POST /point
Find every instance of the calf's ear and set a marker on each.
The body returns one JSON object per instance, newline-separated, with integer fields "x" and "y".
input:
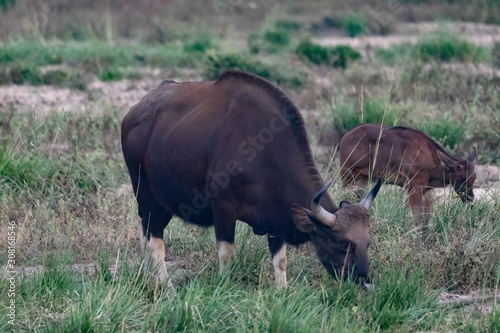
{"x": 472, "y": 156}
{"x": 445, "y": 161}
{"x": 300, "y": 217}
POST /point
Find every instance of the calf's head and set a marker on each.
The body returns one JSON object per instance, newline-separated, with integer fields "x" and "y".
{"x": 341, "y": 239}
{"x": 461, "y": 174}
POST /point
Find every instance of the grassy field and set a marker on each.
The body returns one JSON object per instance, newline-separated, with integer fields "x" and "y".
{"x": 65, "y": 194}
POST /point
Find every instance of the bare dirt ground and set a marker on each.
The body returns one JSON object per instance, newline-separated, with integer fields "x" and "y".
{"x": 481, "y": 34}
{"x": 41, "y": 100}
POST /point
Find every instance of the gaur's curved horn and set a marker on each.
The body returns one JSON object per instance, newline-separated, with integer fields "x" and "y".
{"x": 319, "y": 212}
{"x": 368, "y": 199}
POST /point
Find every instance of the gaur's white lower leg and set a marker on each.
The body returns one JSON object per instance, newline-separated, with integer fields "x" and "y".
{"x": 226, "y": 255}
{"x": 280, "y": 263}
{"x": 154, "y": 258}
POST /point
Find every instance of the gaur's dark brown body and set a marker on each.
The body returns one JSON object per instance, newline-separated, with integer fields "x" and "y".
{"x": 233, "y": 149}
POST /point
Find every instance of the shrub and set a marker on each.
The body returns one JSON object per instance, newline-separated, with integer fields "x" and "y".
{"x": 344, "y": 55}
{"x": 401, "y": 296}
{"x": 18, "y": 169}
{"x": 55, "y": 77}
{"x": 111, "y": 73}
{"x": 288, "y": 26}
{"x": 270, "y": 40}
{"x": 446, "y": 46}
{"x": 355, "y": 24}
{"x": 216, "y": 64}
{"x": 338, "y": 56}
{"x": 448, "y": 131}
{"x": 277, "y": 37}
{"x": 441, "y": 47}
{"x": 4, "y": 75}
{"x": 6, "y": 4}
{"x": 315, "y": 53}
{"x": 199, "y": 44}
{"x": 396, "y": 54}
{"x": 347, "y": 115}
{"x": 25, "y": 73}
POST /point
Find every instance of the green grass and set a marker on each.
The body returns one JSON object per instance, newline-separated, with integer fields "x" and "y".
{"x": 339, "y": 56}
{"x": 60, "y": 298}
{"x": 355, "y": 24}
{"x": 93, "y": 224}
{"x": 21, "y": 61}
{"x": 62, "y": 223}
{"x": 60, "y": 177}
{"x": 200, "y": 43}
{"x": 29, "y": 156}
{"x": 109, "y": 62}
{"x": 443, "y": 46}
{"x": 347, "y": 114}
{"x": 217, "y": 63}
{"x": 448, "y": 131}
{"x": 272, "y": 40}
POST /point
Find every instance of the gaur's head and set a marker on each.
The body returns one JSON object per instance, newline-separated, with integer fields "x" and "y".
{"x": 341, "y": 239}
{"x": 461, "y": 174}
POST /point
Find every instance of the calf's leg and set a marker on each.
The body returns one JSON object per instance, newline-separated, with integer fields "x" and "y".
{"x": 356, "y": 181}
{"x": 420, "y": 206}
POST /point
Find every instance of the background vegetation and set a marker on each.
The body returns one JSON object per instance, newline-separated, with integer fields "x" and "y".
{"x": 64, "y": 183}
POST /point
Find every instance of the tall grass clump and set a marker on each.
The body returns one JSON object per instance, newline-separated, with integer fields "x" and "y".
{"x": 270, "y": 40}
{"x": 355, "y": 24}
{"x": 448, "y": 131}
{"x": 339, "y": 56}
{"x": 30, "y": 157}
{"x": 217, "y": 63}
{"x": 22, "y": 61}
{"x": 469, "y": 242}
{"x": 394, "y": 55}
{"x": 446, "y": 46}
{"x": 348, "y": 114}
{"x": 200, "y": 43}
{"x": 403, "y": 298}
{"x": 20, "y": 169}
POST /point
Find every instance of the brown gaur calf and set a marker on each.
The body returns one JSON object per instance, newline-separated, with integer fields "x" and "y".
{"x": 405, "y": 157}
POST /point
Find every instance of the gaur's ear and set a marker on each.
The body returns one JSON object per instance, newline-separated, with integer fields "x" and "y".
{"x": 300, "y": 217}
{"x": 445, "y": 161}
{"x": 472, "y": 156}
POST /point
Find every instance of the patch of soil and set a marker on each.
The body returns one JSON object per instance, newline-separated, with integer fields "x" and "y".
{"x": 41, "y": 100}
{"x": 477, "y": 33}
{"x": 489, "y": 193}
{"x": 482, "y": 300}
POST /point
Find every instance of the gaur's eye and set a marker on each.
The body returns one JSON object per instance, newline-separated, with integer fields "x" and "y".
{"x": 345, "y": 247}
